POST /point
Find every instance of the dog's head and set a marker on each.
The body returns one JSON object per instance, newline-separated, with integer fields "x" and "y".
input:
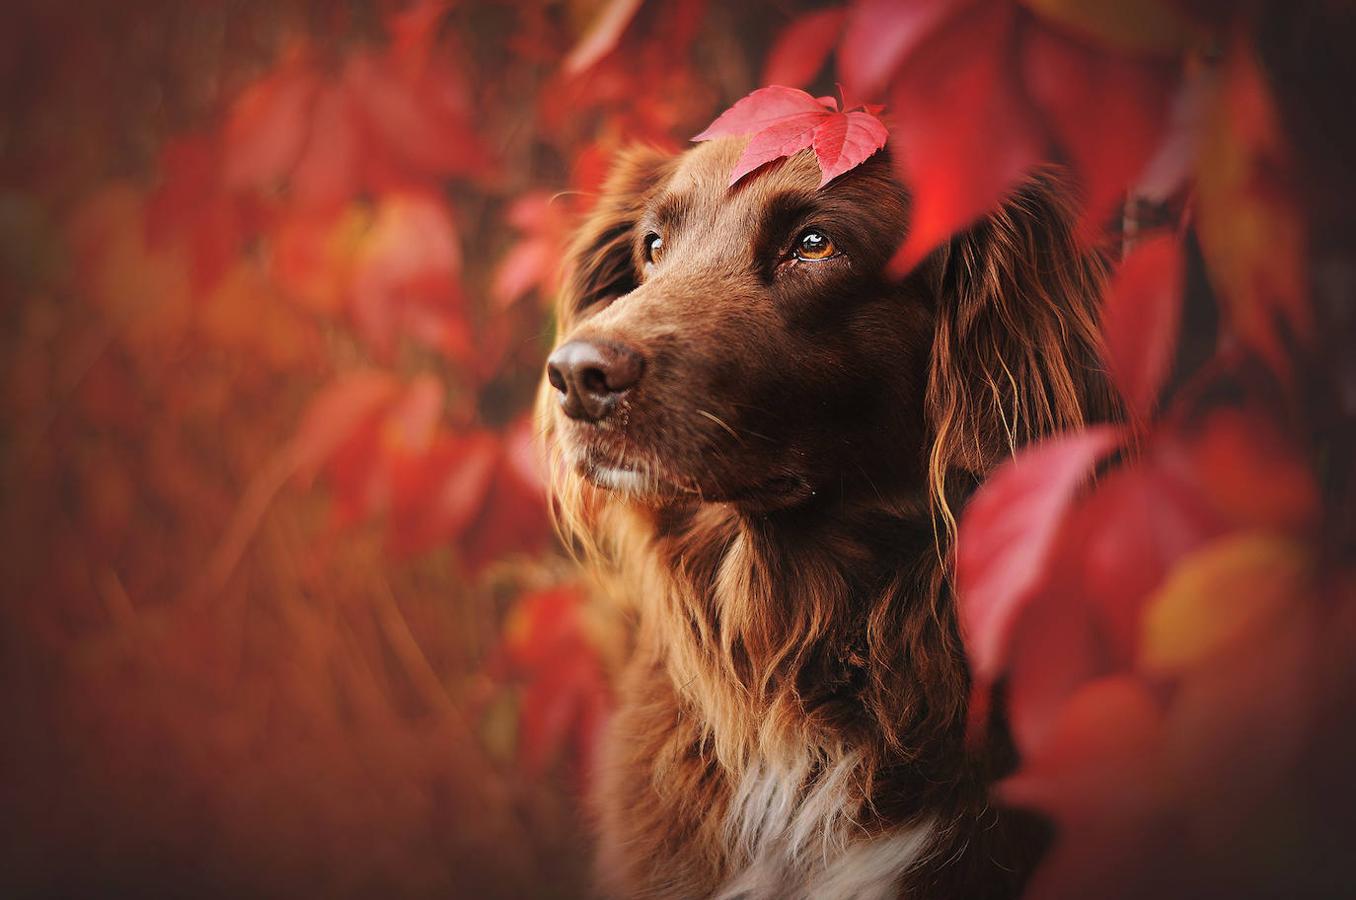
{"x": 745, "y": 344}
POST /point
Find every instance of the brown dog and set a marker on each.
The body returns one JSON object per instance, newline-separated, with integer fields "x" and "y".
{"x": 764, "y": 438}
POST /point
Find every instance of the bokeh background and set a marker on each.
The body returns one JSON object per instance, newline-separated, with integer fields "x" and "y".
{"x": 283, "y": 612}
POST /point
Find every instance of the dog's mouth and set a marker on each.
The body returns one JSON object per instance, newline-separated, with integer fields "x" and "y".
{"x": 623, "y": 474}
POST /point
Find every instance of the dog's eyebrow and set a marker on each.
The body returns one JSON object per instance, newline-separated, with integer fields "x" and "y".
{"x": 781, "y": 213}
{"x": 670, "y": 210}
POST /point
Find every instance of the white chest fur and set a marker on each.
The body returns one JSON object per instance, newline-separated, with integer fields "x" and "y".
{"x": 801, "y": 838}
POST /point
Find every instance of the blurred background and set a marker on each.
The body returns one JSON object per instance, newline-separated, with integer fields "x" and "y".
{"x": 283, "y": 612}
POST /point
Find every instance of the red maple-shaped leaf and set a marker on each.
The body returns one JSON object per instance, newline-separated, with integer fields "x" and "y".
{"x": 1007, "y": 534}
{"x": 783, "y": 121}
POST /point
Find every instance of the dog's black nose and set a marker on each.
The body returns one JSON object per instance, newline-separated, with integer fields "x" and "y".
{"x": 590, "y": 375}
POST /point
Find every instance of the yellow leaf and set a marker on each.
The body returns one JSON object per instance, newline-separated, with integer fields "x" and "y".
{"x": 1219, "y": 595}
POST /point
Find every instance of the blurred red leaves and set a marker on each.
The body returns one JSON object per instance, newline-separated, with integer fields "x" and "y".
{"x": 1009, "y": 532}
{"x": 1140, "y": 320}
{"x": 782, "y": 121}
{"x": 566, "y": 695}
{"x": 1250, "y": 224}
{"x": 387, "y": 453}
{"x": 981, "y": 91}
{"x": 803, "y": 46}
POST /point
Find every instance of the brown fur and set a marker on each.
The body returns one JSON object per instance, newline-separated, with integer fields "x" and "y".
{"x": 799, "y": 440}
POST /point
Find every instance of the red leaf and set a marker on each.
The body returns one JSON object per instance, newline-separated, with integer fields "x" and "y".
{"x": 783, "y": 121}
{"x": 1108, "y": 111}
{"x": 1007, "y": 533}
{"x": 799, "y": 51}
{"x": 1108, "y": 731}
{"x": 845, "y": 140}
{"x": 436, "y": 495}
{"x": 192, "y": 205}
{"x": 1252, "y": 471}
{"x": 533, "y": 261}
{"x": 566, "y": 692}
{"x": 963, "y": 133}
{"x": 784, "y": 137}
{"x": 266, "y": 130}
{"x": 335, "y": 414}
{"x": 1134, "y": 527}
{"x": 881, "y": 34}
{"x": 761, "y": 109}
{"x": 327, "y": 173}
{"x": 514, "y": 516}
{"x": 1057, "y": 648}
{"x": 405, "y": 279}
{"x": 1140, "y": 320}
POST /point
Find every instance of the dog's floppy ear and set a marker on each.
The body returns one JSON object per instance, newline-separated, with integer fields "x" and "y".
{"x": 1016, "y": 351}
{"x": 601, "y": 262}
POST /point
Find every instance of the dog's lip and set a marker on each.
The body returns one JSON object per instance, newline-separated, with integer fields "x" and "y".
{"x": 616, "y": 473}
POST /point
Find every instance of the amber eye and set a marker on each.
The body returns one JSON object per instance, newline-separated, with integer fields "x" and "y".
{"x": 814, "y": 245}
{"x": 654, "y": 247}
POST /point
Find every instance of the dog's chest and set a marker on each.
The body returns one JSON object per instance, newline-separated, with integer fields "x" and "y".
{"x": 797, "y": 829}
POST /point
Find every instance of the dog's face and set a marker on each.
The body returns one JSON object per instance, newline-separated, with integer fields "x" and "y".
{"x": 745, "y": 344}
{"x": 754, "y": 351}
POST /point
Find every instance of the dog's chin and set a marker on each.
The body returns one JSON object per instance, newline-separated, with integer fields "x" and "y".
{"x": 654, "y": 487}
{"x": 628, "y": 479}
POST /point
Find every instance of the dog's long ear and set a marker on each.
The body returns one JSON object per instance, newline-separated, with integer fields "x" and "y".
{"x": 1016, "y": 351}
{"x": 601, "y": 261}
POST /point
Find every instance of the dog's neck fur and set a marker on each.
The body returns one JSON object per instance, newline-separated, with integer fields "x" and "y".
{"x": 818, "y": 651}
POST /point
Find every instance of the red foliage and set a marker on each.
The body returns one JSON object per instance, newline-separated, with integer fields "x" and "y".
{"x": 985, "y": 90}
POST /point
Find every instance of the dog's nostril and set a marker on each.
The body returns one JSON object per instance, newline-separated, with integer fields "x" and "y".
{"x": 594, "y": 381}
{"x": 556, "y": 377}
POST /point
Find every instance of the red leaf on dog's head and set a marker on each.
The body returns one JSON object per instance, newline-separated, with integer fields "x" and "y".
{"x": 1008, "y": 531}
{"x": 783, "y": 138}
{"x": 845, "y": 140}
{"x": 783, "y": 121}
{"x": 964, "y": 134}
{"x": 1140, "y": 321}
{"x": 763, "y": 108}
{"x": 800, "y": 50}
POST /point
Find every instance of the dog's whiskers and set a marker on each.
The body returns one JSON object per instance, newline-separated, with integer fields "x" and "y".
{"x": 722, "y": 423}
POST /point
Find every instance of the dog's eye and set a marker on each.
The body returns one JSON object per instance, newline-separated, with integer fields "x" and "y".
{"x": 654, "y": 247}
{"x": 814, "y": 244}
